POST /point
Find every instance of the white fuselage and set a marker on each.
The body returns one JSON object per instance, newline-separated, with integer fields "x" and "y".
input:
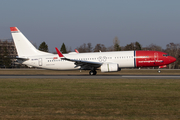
{"x": 53, "y": 61}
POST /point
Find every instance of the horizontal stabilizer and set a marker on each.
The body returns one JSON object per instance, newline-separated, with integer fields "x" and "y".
{"x": 22, "y": 58}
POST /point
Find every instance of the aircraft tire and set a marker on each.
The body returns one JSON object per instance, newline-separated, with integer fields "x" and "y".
{"x": 92, "y": 72}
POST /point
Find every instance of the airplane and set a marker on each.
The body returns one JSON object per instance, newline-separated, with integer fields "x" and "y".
{"x": 105, "y": 61}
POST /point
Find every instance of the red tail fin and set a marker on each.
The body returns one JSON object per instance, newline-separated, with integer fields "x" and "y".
{"x": 14, "y": 29}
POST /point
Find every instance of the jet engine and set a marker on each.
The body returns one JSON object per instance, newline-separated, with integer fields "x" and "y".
{"x": 110, "y": 67}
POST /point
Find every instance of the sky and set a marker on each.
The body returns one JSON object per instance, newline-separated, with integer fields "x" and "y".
{"x": 75, "y": 22}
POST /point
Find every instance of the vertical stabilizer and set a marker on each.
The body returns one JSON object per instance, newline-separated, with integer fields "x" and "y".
{"x": 23, "y": 46}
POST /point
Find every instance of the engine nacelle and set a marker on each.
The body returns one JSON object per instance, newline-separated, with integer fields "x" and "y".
{"x": 110, "y": 67}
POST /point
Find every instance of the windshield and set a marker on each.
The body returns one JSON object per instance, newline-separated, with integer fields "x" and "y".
{"x": 165, "y": 55}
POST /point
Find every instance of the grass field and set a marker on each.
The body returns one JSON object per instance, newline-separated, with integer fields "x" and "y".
{"x": 57, "y": 99}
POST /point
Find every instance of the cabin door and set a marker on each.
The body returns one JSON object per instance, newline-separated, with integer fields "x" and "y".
{"x": 40, "y": 61}
{"x": 155, "y": 56}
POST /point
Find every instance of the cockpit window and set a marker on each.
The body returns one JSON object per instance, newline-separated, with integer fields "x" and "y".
{"x": 165, "y": 55}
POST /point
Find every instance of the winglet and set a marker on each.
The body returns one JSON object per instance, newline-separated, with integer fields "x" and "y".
{"x": 14, "y": 29}
{"x": 58, "y": 52}
{"x": 76, "y": 51}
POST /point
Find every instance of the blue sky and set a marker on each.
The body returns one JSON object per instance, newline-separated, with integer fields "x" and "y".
{"x": 75, "y": 22}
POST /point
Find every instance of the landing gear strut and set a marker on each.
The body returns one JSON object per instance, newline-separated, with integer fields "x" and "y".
{"x": 92, "y": 72}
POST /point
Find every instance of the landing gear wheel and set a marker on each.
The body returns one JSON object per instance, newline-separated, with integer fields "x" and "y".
{"x": 92, "y": 72}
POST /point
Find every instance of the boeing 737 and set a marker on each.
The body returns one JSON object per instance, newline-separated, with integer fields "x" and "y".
{"x": 105, "y": 61}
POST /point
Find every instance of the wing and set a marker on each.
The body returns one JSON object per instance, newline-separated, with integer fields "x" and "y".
{"x": 83, "y": 64}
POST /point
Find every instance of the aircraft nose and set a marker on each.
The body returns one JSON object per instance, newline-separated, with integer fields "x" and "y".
{"x": 172, "y": 59}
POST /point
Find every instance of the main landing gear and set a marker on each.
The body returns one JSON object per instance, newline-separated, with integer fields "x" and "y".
{"x": 92, "y": 72}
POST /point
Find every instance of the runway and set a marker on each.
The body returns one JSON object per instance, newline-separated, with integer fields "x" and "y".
{"x": 93, "y": 77}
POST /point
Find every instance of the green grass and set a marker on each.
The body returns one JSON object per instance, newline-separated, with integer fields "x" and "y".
{"x": 54, "y": 99}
